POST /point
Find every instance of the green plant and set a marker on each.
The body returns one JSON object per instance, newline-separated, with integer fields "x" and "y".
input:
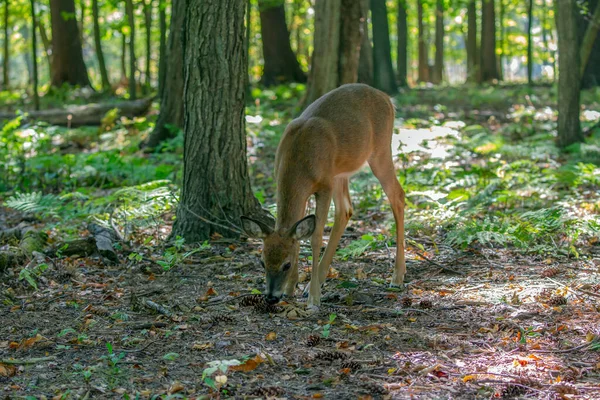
{"x": 220, "y": 366}
{"x": 327, "y": 327}
{"x": 31, "y": 275}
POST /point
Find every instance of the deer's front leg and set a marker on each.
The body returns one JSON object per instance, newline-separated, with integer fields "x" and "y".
{"x": 323, "y": 199}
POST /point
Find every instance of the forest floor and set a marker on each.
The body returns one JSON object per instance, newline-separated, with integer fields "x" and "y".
{"x": 503, "y": 285}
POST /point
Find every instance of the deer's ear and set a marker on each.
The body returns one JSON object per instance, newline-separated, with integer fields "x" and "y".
{"x": 255, "y": 229}
{"x": 304, "y": 228}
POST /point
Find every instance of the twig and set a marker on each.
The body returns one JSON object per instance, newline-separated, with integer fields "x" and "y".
{"x": 27, "y": 361}
{"x": 137, "y": 350}
{"x": 508, "y": 383}
{"x": 575, "y": 289}
{"x": 423, "y": 256}
{"x": 583, "y": 346}
{"x": 158, "y": 308}
{"x": 397, "y": 311}
{"x": 227, "y": 300}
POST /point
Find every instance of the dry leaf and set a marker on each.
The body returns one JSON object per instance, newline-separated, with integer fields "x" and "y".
{"x": 468, "y": 378}
{"x": 271, "y": 336}
{"x": 202, "y": 346}
{"x": 211, "y": 292}
{"x": 360, "y": 274}
{"x": 250, "y": 365}
{"x": 317, "y": 396}
{"x": 7, "y": 370}
{"x": 176, "y": 387}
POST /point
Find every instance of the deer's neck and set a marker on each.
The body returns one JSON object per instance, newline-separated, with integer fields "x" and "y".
{"x": 291, "y": 205}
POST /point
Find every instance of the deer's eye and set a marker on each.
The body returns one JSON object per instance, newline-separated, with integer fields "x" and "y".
{"x": 286, "y": 266}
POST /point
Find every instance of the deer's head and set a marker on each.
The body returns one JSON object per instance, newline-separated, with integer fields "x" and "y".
{"x": 280, "y": 251}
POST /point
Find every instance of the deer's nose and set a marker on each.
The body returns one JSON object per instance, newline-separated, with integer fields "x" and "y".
{"x": 272, "y": 299}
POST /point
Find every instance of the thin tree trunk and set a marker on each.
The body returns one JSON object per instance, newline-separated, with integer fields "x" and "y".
{"x": 383, "y": 71}
{"x": 162, "y": 58}
{"x": 589, "y": 39}
{"x": 131, "y": 21}
{"x": 569, "y": 128}
{"x": 81, "y": 22}
{"x": 216, "y": 184}
{"x": 148, "y": 20}
{"x": 365, "y": 62}
{"x": 439, "y": 43}
{"x": 67, "y": 54}
{"x": 489, "y": 67}
{"x": 123, "y": 58}
{"x": 36, "y": 96}
{"x": 500, "y": 58}
{"x": 98, "y": 45}
{"x": 472, "y": 56}
{"x": 402, "y": 26}
{"x": 6, "y": 57}
{"x": 280, "y": 62}
{"x": 529, "y": 43}
{"x": 170, "y": 119}
{"x": 45, "y": 41}
{"x": 423, "y": 62}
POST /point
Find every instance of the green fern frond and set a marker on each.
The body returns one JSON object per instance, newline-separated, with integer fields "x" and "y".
{"x": 34, "y": 203}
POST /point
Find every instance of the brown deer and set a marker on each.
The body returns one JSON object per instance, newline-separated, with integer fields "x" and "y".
{"x": 335, "y": 136}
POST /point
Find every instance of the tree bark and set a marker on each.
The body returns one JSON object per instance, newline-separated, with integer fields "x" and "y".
{"x": 423, "y": 59}
{"x": 216, "y": 185}
{"x": 489, "y": 67}
{"x": 365, "y": 62}
{"x": 123, "y": 57}
{"x": 383, "y": 71}
{"x": 36, "y": 96}
{"x": 352, "y": 17}
{"x": 529, "y": 43}
{"x": 131, "y": 21}
{"x": 569, "y": 128}
{"x": 402, "y": 27}
{"x": 587, "y": 44}
{"x": 98, "y": 45}
{"x": 67, "y": 55}
{"x": 5, "y": 59}
{"x": 472, "y": 56}
{"x": 81, "y": 18}
{"x": 148, "y": 20}
{"x": 162, "y": 58}
{"x": 170, "y": 119}
{"x": 46, "y": 42}
{"x": 438, "y": 69}
{"x": 280, "y": 62}
{"x": 500, "y": 58}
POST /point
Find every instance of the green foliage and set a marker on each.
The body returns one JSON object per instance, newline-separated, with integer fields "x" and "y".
{"x": 30, "y": 275}
{"x": 35, "y": 203}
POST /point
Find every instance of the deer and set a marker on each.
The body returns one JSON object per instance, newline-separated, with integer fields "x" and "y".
{"x": 333, "y": 138}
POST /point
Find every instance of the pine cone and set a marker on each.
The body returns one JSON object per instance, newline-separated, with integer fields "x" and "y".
{"x": 351, "y": 365}
{"x": 374, "y": 388}
{"x": 64, "y": 276}
{"x": 550, "y": 272}
{"x": 313, "y": 340}
{"x": 557, "y": 300}
{"x": 406, "y": 302}
{"x": 267, "y": 391}
{"x": 265, "y": 308}
{"x": 425, "y": 304}
{"x": 330, "y": 356}
{"x": 511, "y": 391}
{"x": 252, "y": 300}
{"x": 98, "y": 310}
{"x": 215, "y": 319}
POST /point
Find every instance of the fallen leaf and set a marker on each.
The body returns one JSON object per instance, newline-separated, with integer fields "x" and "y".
{"x": 250, "y": 365}
{"x": 317, "y": 396}
{"x": 271, "y": 336}
{"x": 176, "y": 387}
{"x": 211, "y": 292}
{"x": 7, "y": 370}
{"x": 202, "y": 346}
{"x": 468, "y": 378}
{"x": 360, "y": 274}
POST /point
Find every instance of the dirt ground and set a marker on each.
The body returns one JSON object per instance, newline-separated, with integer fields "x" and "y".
{"x": 475, "y": 325}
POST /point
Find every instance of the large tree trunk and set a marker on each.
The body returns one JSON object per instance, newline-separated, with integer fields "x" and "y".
{"x": 36, "y": 97}
{"x": 438, "y": 68}
{"x": 162, "y": 58}
{"x": 281, "y": 64}
{"x": 529, "y": 43}
{"x": 6, "y": 54}
{"x": 98, "y": 45}
{"x": 131, "y": 22}
{"x": 67, "y": 55}
{"x": 489, "y": 67}
{"x": 569, "y": 128}
{"x": 402, "y": 26}
{"x": 352, "y": 17}
{"x": 423, "y": 59}
{"x": 472, "y": 56}
{"x": 148, "y": 20}
{"x": 590, "y": 71}
{"x": 383, "y": 71}
{"x": 81, "y": 22}
{"x": 170, "y": 118}
{"x": 216, "y": 185}
{"x": 365, "y": 62}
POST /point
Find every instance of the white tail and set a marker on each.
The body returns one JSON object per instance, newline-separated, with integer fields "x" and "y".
{"x": 335, "y": 136}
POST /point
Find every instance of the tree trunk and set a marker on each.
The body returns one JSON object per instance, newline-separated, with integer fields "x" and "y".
{"x": 216, "y": 185}
{"x": 423, "y": 59}
{"x": 591, "y": 74}
{"x": 123, "y": 57}
{"x": 81, "y": 22}
{"x": 402, "y": 26}
{"x": 438, "y": 69}
{"x": 131, "y": 21}
{"x": 36, "y": 97}
{"x": 489, "y": 68}
{"x": 365, "y": 62}
{"x": 383, "y": 71}
{"x": 281, "y": 64}
{"x": 148, "y": 20}
{"x": 6, "y": 54}
{"x": 529, "y": 43}
{"x": 170, "y": 118}
{"x": 587, "y": 44}
{"x": 98, "y": 45}
{"x": 67, "y": 55}
{"x": 569, "y": 128}
{"x": 350, "y": 39}
{"x": 162, "y": 58}
{"x": 472, "y": 56}
{"x": 325, "y": 58}
{"x": 46, "y": 42}
{"x": 500, "y": 58}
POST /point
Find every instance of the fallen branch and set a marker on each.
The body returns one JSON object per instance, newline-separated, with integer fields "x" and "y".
{"x": 28, "y": 361}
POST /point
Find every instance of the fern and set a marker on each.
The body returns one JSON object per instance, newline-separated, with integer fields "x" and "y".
{"x": 35, "y": 203}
